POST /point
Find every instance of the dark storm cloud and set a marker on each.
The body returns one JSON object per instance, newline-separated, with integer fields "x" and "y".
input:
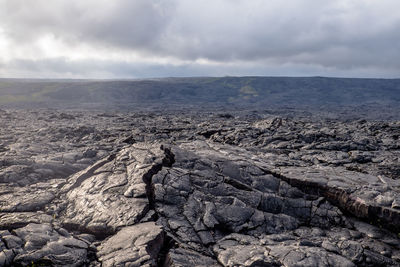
{"x": 334, "y": 36}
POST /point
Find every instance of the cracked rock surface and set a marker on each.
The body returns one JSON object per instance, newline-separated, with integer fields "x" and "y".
{"x": 136, "y": 245}
{"x": 86, "y": 188}
{"x": 42, "y": 244}
{"x": 112, "y": 193}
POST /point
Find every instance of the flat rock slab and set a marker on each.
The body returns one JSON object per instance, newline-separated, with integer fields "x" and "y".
{"x": 180, "y": 257}
{"x": 136, "y": 245}
{"x": 13, "y": 220}
{"x": 23, "y": 199}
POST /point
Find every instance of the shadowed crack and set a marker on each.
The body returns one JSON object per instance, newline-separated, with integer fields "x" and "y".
{"x": 167, "y": 161}
{"x": 168, "y": 244}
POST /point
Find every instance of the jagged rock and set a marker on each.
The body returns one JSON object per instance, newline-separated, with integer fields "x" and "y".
{"x": 238, "y": 190}
{"x": 274, "y": 250}
{"x": 200, "y": 201}
{"x": 43, "y": 244}
{"x": 365, "y": 196}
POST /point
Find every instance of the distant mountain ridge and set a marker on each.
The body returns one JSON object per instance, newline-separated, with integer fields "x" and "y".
{"x": 229, "y": 91}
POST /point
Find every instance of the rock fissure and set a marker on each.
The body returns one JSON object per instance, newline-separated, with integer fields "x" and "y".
{"x": 380, "y": 216}
{"x": 260, "y": 191}
{"x": 167, "y": 161}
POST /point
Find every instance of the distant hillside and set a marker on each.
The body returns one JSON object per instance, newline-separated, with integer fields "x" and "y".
{"x": 229, "y": 91}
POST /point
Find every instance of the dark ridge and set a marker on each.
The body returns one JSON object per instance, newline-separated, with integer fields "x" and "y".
{"x": 290, "y": 93}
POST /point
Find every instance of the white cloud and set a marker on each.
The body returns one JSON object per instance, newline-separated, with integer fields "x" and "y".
{"x": 337, "y": 37}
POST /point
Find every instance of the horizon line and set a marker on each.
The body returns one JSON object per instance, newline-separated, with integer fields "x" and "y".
{"x": 192, "y": 77}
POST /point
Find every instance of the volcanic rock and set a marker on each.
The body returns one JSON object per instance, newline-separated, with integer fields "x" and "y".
{"x": 187, "y": 189}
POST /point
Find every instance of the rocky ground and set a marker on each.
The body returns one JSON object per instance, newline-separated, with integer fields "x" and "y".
{"x": 185, "y": 188}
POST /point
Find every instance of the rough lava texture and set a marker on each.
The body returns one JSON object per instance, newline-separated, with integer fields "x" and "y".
{"x": 137, "y": 245}
{"x": 112, "y": 193}
{"x": 197, "y": 189}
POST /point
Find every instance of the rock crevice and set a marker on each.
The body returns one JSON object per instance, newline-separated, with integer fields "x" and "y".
{"x": 229, "y": 190}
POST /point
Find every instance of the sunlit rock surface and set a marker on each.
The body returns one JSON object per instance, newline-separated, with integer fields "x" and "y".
{"x": 80, "y": 188}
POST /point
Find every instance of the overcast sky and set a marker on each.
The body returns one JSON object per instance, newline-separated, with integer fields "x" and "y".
{"x": 161, "y": 38}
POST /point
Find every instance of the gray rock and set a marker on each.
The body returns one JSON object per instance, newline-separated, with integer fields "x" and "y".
{"x": 184, "y": 257}
{"x": 262, "y": 190}
{"x": 19, "y": 219}
{"x": 42, "y": 244}
{"x": 100, "y": 202}
{"x": 136, "y": 245}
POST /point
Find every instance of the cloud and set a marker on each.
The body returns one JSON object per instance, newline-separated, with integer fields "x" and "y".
{"x": 111, "y": 69}
{"x": 120, "y": 23}
{"x": 334, "y": 37}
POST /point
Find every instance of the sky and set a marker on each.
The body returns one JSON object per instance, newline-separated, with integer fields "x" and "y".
{"x": 129, "y": 39}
